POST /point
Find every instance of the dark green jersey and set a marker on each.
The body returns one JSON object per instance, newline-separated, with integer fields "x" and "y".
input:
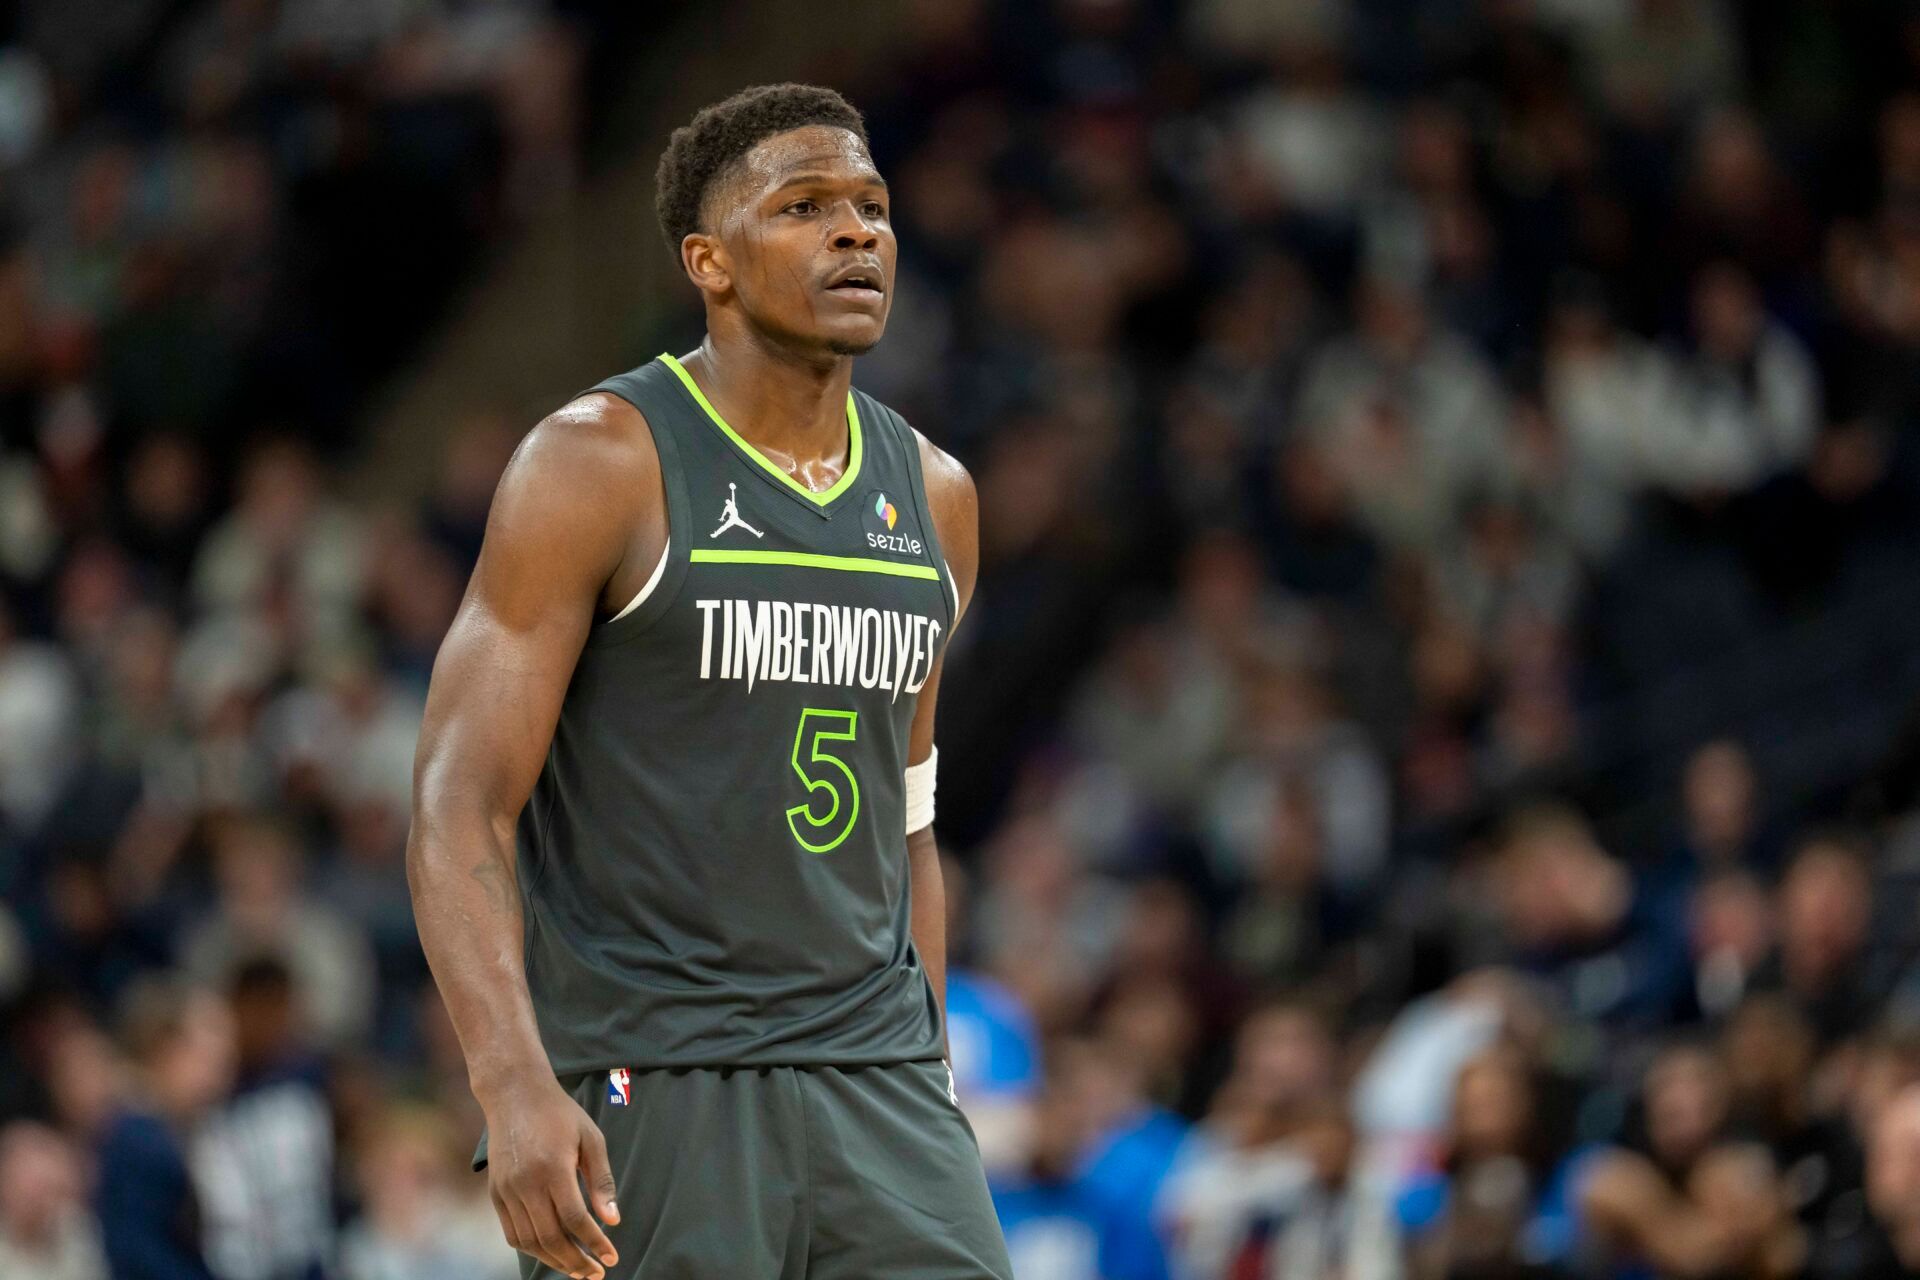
{"x": 714, "y": 857}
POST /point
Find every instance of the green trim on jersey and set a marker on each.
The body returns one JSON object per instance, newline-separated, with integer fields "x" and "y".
{"x": 809, "y": 560}
{"x": 854, "y": 447}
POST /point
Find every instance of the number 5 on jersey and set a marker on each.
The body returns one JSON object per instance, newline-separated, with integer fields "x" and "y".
{"x": 831, "y": 786}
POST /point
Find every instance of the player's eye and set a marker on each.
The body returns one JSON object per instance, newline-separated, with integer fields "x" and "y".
{"x": 874, "y": 209}
{"x": 802, "y": 207}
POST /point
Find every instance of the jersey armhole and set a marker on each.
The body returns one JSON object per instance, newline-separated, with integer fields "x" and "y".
{"x": 663, "y": 584}
{"x": 653, "y": 580}
{"x": 910, "y": 445}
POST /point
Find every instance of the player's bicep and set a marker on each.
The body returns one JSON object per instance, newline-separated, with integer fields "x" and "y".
{"x": 492, "y": 704}
{"x": 554, "y": 535}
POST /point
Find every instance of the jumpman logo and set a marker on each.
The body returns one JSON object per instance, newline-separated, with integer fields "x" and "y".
{"x": 730, "y": 517}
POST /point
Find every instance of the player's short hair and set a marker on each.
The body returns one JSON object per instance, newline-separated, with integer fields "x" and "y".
{"x": 703, "y": 149}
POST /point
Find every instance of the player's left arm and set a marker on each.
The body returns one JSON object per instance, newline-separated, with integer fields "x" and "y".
{"x": 956, "y": 518}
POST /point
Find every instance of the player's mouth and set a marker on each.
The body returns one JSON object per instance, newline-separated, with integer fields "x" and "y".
{"x": 861, "y": 284}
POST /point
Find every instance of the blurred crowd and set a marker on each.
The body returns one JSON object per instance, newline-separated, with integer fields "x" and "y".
{"x": 222, "y": 224}
{"x": 1434, "y": 758}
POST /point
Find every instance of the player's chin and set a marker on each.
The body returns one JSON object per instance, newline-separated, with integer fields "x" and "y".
{"x": 854, "y": 340}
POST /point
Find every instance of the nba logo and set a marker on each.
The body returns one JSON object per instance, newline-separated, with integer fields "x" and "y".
{"x": 618, "y": 1088}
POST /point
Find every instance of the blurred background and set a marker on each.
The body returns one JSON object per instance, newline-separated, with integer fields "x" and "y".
{"x": 1432, "y": 767}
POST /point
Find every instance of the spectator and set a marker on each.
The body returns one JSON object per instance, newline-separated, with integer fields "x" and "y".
{"x": 1821, "y": 964}
{"x": 1889, "y": 1246}
{"x": 1043, "y": 929}
{"x": 1154, "y": 716}
{"x": 1609, "y": 391}
{"x": 46, "y": 1232}
{"x": 1063, "y": 1218}
{"x": 1311, "y": 138}
{"x": 1313, "y": 1215}
{"x": 348, "y": 734}
{"x": 1720, "y": 827}
{"x": 1168, "y": 994}
{"x": 1752, "y": 398}
{"x": 1731, "y": 933}
{"x": 263, "y": 1160}
{"x": 1680, "y": 1206}
{"x": 1504, "y": 569}
{"x": 416, "y": 1225}
{"x": 1495, "y": 1200}
{"x": 180, "y": 1043}
{"x": 1296, "y": 747}
{"x": 1131, "y": 1150}
{"x": 991, "y": 1044}
{"x": 1739, "y": 1192}
{"x": 262, "y": 910}
{"x": 1772, "y": 1065}
{"x": 39, "y": 703}
{"x": 284, "y": 535}
{"x": 1737, "y": 202}
{"x": 1658, "y": 63}
{"x": 1279, "y": 929}
{"x": 1410, "y": 457}
{"x": 1317, "y": 546}
{"x": 1244, "y": 1162}
{"x": 1570, "y": 912}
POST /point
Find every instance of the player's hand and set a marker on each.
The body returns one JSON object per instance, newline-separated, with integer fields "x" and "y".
{"x": 540, "y": 1144}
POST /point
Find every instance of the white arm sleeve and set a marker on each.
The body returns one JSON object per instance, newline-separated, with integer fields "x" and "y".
{"x": 920, "y": 792}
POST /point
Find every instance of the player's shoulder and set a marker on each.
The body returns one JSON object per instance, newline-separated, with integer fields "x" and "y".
{"x": 596, "y": 442}
{"x": 595, "y": 421}
{"x": 949, "y": 484}
{"x": 954, "y": 504}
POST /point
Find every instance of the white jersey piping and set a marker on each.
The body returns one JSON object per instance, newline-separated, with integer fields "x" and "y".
{"x": 652, "y": 582}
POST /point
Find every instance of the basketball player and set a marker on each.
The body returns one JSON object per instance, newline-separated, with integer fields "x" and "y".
{"x": 671, "y": 853}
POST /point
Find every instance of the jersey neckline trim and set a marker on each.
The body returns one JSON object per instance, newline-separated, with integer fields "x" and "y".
{"x": 811, "y": 560}
{"x": 856, "y": 450}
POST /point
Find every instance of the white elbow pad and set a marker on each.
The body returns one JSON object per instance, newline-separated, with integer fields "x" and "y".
{"x": 920, "y": 792}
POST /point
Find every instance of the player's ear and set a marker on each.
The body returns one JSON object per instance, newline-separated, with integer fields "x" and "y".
{"x": 706, "y": 263}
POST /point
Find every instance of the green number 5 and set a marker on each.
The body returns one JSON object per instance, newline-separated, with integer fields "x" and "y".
{"x": 824, "y": 832}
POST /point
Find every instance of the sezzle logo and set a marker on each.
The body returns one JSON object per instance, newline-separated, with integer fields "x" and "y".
{"x": 880, "y": 518}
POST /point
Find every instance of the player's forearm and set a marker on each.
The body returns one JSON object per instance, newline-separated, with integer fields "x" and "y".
{"x": 929, "y": 911}
{"x": 466, "y": 901}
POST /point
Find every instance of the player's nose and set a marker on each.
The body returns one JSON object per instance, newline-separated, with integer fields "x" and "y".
{"x": 851, "y": 230}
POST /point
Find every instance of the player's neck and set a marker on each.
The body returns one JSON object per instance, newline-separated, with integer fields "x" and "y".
{"x": 774, "y": 398}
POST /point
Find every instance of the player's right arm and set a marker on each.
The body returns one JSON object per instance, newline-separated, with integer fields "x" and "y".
{"x": 579, "y": 507}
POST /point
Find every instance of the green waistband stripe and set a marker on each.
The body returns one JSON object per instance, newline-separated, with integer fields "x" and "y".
{"x": 808, "y": 560}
